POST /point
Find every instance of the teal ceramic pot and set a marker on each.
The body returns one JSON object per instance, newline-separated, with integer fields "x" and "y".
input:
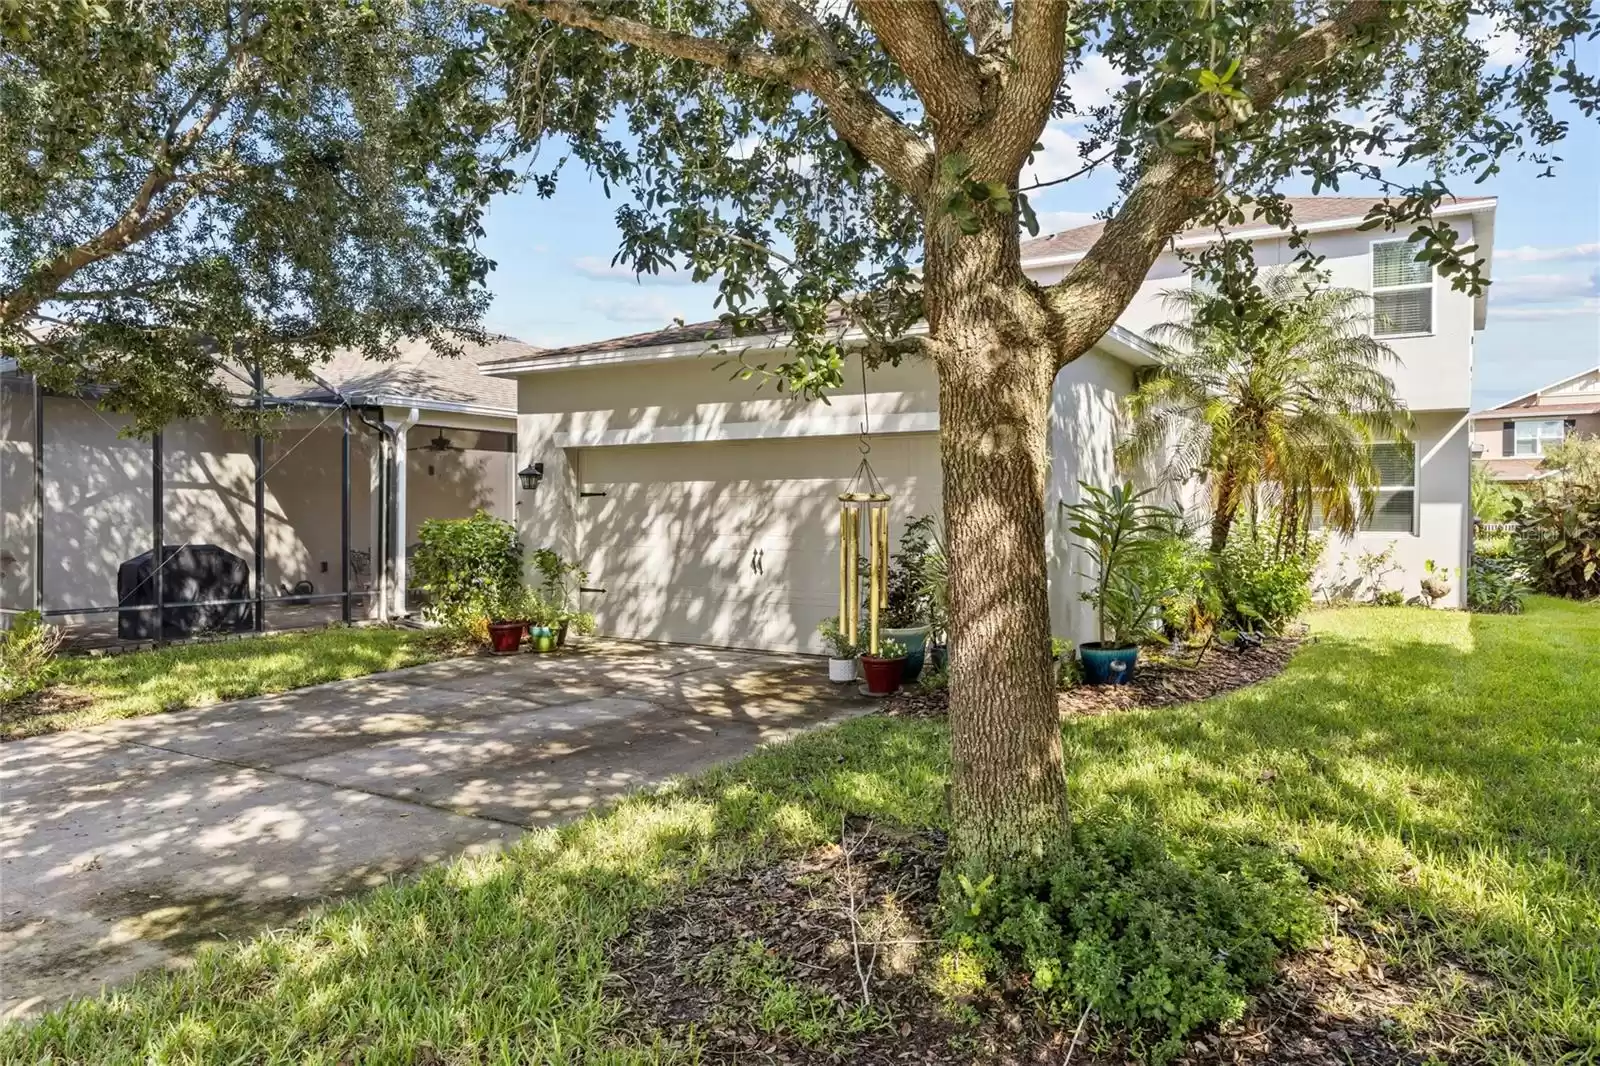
{"x": 1107, "y": 666}
{"x": 541, "y": 638}
{"x": 915, "y": 640}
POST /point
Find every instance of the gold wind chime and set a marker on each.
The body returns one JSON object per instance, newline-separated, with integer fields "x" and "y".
{"x": 865, "y": 498}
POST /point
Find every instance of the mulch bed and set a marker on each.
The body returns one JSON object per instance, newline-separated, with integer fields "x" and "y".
{"x": 1158, "y": 682}
{"x": 853, "y": 926}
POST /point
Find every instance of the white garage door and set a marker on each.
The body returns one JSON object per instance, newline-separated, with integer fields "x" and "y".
{"x": 732, "y": 544}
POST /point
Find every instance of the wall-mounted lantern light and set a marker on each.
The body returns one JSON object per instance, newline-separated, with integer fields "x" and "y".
{"x": 531, "y": 475}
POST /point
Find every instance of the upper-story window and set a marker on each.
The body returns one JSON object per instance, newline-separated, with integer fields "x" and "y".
{"x": 1533, "y": 437}
{"x": 1402, "y": 291}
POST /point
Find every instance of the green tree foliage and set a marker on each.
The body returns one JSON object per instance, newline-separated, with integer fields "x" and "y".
{"x": 1272, "y": 393}
{"x": 191, "y": 189}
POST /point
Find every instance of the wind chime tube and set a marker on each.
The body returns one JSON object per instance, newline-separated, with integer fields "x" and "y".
{"x": 874, "y": 515}
{"x": 852, "y": 555}
{"x": 883, "y": 554}
{"x": 844, "y": 573}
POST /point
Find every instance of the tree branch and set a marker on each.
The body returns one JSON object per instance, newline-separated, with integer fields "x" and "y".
{"x": 944, "y": 74}
{"x": 859, "y": 117}
{"x": 708, "y": 51}
{"x": 986, "y": 24}
{"x": 1166, "y": 196}
{"x": 1039, "y": 54}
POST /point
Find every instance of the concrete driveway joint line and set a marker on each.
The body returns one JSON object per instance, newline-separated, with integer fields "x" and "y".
{"x": 126, "y": 846}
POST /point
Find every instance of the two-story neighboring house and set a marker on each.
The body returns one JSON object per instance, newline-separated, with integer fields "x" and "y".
{"x": 707, "y": 510}
{"x": 1510, "y": 439}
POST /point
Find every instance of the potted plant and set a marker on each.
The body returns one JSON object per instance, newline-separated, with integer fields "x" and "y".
{"x": 884, "y": 671}
{"x": 908, "y": 615}
{"x": 842, "y": 651}
{"x": 541, "y": 621}
{"x": 506, "y": 621}
{"x": 1119, "y": 532}
{"x": 1436, "y": 582}
{"x": 556, "y": 578}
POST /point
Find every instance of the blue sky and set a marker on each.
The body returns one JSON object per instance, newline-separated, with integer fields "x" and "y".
{"x": 554, "y": 285}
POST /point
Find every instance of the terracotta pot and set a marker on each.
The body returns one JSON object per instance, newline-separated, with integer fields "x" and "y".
{"x": 505, "y": 637}
{"x": 883, "y": 675}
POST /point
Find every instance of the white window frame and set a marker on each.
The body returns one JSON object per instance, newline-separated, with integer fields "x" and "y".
{"x": 1415, "y": 488}
{"x": 1374, "y": 291}
{"x": 1538, "y": 438}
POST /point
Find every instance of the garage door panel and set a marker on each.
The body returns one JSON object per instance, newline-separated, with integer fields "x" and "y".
{"x": 732, "y": 543}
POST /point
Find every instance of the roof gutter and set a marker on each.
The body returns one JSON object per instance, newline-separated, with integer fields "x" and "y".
{"x": 1120, "y": 341}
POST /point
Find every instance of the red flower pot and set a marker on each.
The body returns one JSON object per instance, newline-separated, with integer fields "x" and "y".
{"x": 883, "y": 675}
{"x": 505, "y": 637}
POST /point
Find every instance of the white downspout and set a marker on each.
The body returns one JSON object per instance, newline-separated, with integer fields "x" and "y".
{"x": 398, "y": 430}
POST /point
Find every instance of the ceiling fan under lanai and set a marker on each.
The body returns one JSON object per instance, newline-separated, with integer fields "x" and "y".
{"x": 441, "y": 443}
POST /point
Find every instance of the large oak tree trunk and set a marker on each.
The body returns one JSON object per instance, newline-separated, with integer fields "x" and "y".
{"x": 991, "y": 330}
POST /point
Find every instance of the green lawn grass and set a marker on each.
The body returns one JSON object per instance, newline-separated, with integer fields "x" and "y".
{"x": 1437, "y": 773}
{"x": 90, "y": 689}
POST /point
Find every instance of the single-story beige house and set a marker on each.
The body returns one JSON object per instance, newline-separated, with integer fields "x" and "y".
{"x": 428, "y": 436}
{"x": 706, "y": 510}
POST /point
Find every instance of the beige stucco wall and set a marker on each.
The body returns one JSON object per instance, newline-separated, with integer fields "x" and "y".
{"x": 1444, "y": 521}
{"x": 17, "y": 525}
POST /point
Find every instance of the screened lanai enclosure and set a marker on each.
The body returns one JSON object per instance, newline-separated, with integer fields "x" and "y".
{"x": 205, "y": 530}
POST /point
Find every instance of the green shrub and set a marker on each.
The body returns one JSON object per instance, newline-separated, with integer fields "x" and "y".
{"x": 1494, "y": 546}
{"x": 1261, "y": 585}
{"x": 917, "y": 576}
{"x": 1156, "y": 941}
{"x": 1558, "y": 532}
{"x": 471, "y": 568}
{"x": 27, "y": 655}
{"x": 1496, "y": 586}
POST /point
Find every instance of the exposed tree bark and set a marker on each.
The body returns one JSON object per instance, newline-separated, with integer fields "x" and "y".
{"x": 996, "y": 363}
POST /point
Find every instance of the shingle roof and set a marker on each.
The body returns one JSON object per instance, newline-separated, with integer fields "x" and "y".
{"x": 1307, "y": 209}
{"x": 419, "y": 372}
{"x": 690, "y": 333}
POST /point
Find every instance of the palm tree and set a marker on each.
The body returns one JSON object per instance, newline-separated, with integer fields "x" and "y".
{"x": 1280, "y": 391}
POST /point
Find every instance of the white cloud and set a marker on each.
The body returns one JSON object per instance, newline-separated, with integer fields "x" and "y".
{"x": 645, "y": 308}
{"x": 1531, "y": 254}
{"x": 1056, "y": 221}
{"x": 1590, "y": 306}
{"x": 1501, "y": 44}
{"x": 592, "y": 266}
{"x": 1516, "y": 291}
{"x": 1055, "y": 159}
{"x": 1095, "y": 84}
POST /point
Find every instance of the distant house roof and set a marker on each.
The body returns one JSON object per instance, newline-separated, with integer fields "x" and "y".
{"x": 1531, "y": 401}
{"x": 1541, "y": 410}
{"x": 1515, "y": 469}
{"x": 1308, "y": 210}
{"x": 418, "y": 376}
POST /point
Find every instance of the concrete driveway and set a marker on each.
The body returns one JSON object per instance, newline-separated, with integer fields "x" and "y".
{"x": 126, "y": 846}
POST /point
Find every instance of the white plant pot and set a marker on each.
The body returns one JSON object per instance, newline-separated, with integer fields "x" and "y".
{"x": 841, "y": 671}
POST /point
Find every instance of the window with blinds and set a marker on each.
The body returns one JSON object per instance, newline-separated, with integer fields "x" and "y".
{"x": 1394, "y": 505}
{"x": 1402, "y": 291}
{"x": 1394, "y": 510}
